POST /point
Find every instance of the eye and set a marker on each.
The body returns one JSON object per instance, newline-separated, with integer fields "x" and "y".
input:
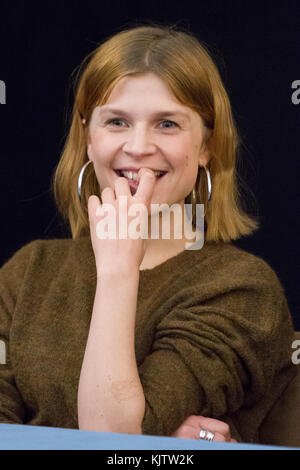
{"x": 114, "y": 121}
{"x": 170, "y": 122}
{"x": 111, "y": 121}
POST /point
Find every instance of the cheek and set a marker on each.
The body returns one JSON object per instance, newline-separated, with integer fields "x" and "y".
{"x": 187, "y": 165}
{"x": 100, "y": 152}
{"x": 187, "y": 172}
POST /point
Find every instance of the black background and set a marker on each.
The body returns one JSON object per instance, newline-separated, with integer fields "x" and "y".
{"x": 257, "y": 49}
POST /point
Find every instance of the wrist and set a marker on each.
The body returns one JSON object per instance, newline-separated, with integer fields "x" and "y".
{"x": 118, "y": 273}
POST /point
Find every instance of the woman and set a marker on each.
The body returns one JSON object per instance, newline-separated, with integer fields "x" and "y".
{"x": 142, "y": 335}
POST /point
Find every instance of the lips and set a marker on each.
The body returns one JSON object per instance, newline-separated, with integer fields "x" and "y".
{"x": 134, "y": 183}
{"x": 133, "y": 175}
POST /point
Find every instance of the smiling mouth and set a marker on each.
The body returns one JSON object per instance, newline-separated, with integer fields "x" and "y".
{"x": 133, "y": 175}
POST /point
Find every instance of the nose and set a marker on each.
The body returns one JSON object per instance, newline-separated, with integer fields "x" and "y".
{"x": 139, "y": 142}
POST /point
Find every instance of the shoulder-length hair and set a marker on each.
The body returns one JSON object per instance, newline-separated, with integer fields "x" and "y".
{"x": 187, "y": 68}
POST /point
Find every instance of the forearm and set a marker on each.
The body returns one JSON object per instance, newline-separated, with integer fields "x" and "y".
{"x": 110, "y": 394}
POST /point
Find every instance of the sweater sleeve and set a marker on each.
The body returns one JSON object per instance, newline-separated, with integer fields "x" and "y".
{"x": 12, "y": 408}
{"x": 219, "y": 349}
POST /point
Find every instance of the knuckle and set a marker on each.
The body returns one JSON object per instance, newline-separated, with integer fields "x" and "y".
{"x": 225, "y": 429}
{"x": 193, "y": 419}
{"x": 121, "y": 180}
{"x": 106, "y": 190}
{"x": 184, "y": 428}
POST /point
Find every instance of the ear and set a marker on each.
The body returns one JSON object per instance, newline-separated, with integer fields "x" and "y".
{"x": 88, "y": 142}
{"x": 205, "y": 150}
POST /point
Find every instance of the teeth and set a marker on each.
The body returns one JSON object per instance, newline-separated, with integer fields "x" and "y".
{"x": 132, "y": 175}
{"x": 158, "y": 173}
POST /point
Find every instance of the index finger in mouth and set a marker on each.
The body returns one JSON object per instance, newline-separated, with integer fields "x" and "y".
{"x": 147, "y": 180}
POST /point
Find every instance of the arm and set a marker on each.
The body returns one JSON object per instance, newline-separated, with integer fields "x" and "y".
{"x": 110, "y": 394}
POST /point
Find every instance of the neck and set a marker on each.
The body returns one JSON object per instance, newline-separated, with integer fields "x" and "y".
{"x": 166, "y": 245}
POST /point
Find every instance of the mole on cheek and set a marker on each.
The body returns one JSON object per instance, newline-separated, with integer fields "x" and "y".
{"x": 186, "y": 160}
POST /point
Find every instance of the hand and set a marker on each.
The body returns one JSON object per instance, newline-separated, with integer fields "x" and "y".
{"x": 115, "y": 253}
{"x": 190, "y": 429}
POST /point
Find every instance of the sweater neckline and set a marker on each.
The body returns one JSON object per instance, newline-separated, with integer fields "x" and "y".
{"x": 183, "y": 258}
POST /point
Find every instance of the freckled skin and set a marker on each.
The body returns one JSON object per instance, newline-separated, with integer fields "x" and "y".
{"x": 122, "y": 390}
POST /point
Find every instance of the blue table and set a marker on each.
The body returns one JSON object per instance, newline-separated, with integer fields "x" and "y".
{"x": 27, "y": 437}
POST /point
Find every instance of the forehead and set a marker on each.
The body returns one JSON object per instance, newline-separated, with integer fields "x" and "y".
{"x": 143, "y": 83}
{"x": 145, "y": 95}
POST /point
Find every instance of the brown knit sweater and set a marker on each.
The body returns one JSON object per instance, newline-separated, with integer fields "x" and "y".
{"x": 213, "y": 336}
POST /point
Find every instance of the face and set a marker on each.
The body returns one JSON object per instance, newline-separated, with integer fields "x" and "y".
{"x": 143, "y": 125}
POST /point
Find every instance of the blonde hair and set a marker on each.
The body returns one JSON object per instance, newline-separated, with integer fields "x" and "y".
{"x": 185, "y": 65}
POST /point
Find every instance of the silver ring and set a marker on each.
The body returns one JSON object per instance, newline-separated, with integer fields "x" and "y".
{"x": 210, "y": 436}
{"x": 206, "y": 435}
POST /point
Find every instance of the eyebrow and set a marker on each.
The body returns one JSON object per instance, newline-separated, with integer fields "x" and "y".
{"x": 160, "y": 114}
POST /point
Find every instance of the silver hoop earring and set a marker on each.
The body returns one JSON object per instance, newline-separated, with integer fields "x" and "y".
{"x": 208, "y": 183}
{"x": 80, "y": 178}
{"x": 208, "y": 186}
{"x": 194, "y": 194}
